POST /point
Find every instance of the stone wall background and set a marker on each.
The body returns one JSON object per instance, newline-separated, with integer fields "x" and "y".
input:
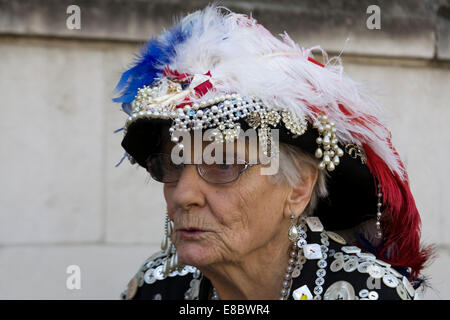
{"x": 63, "y": 202}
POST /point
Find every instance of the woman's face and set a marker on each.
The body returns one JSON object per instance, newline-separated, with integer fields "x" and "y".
{"x": 224, "y": 223}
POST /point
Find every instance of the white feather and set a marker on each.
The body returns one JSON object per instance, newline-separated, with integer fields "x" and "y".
{"x": 243, "y": 57}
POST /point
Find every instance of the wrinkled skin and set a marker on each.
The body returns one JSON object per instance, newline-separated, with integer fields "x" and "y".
{"x": 243, "y": 247}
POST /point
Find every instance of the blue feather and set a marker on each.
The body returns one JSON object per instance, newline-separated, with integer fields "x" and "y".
{"x": 121, "y": 160}
{"x": 126, "y": 107}
{"x": 158, "y": 51}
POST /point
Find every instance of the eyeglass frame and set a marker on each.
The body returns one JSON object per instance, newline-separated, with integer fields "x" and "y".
{"x": 246, "y": 166}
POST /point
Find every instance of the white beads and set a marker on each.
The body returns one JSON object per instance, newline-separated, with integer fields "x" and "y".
{"x": 330, "y": 166}
{"x": 336, "y": 160}
{"x": 329, "y": 142}
{"x": 318, "y": 153}
{"x": 378, "y": 233}
{"x": 224, "y": 111}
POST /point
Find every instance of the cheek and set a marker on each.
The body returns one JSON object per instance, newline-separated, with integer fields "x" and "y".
{"x": 244, "y": 216}
{"x": 262, "y": 207}
{"x": 250, "y": 215}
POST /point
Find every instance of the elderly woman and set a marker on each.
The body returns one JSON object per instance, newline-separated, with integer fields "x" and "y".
{"x": 322, "y": 211}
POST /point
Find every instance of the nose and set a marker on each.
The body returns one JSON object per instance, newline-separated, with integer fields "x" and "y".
{"x": 189, "y": 190}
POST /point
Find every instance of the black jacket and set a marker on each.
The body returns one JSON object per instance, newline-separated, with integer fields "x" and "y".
{"x": 354, "y": 281}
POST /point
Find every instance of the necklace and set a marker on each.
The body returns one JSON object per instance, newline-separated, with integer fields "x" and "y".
{"x": 287, "y": 279}
{"x": 296, "y": 261}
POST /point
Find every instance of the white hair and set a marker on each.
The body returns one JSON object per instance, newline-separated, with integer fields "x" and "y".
{"x": 293, "y": 166}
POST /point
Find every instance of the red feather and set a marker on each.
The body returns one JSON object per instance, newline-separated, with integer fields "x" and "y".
{"x": 401, "y": 221}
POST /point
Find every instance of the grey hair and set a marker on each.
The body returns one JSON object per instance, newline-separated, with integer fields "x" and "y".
{"x": 294, "y": 163}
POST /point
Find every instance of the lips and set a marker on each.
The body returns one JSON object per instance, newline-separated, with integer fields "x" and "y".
{"x": 190, "y": 229}
{"x": 190, "y": 232}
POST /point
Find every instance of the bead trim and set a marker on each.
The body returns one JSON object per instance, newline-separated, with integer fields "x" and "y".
{"x": 224, "y": 113}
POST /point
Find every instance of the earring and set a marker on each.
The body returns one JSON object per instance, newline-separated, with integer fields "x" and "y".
{"x": 297, "y": 236}
{"x": 293, "y": 231}
{"x": 169, "y": 248}
{"x": 297, "y": 233}
{"x": 379, "y": 233}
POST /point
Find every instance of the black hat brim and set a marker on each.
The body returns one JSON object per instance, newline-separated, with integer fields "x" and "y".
{"x": 352, "y": 196}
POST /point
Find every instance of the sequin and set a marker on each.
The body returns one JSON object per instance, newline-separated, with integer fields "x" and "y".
{"x": 296, "y": 273}
{"x": 373, "y": 295}
{"x": 375, "y": 271}
{"x": 366, "y": 255}
{"x": 351, "y": 249}
{"x": 336, "y": 265}
{"x": 149, "y": 277}
{"x": 350, "y": 265}
{"x": 362, "y": 267}
{"x": 401, "y": 291}
{"x": 158, "y": 273}
{"x": 173, "y": 274}
{"x": 312, "y": 251}
{"x": 321, "y": 273}
{"x": 364, "y": 293}
{"x": 157, "y": 296}
{"x": 322, "y": 263}
{"x": 339, "y": 255}
{"x": 336, "y": 238}
{"x": 302, "y": 291}
{"x": 318, "y": 290}
{"x": 301, "y": 243}
{"x": 390, "y": 281}
{"x": 314, "y": 224}
{"x": 408, "y": 286}
{"x": 331, "y": 252}
{"x": 340, "y": 290}
{"x": 320, "y": 281}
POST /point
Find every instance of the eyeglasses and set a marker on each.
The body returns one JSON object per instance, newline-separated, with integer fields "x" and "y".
{"x": 162, "y": 169}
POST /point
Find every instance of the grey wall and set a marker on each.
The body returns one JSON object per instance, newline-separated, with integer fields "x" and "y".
{"x": 63, "y": 202}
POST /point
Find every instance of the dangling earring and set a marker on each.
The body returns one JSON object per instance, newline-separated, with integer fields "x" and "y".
{"x": 165, "y": 240}
{"x": 379, "y": 233}
{"x": 293, "y": 231}
{"x": 297, "y": 236}
{"x": 169, "y": 248}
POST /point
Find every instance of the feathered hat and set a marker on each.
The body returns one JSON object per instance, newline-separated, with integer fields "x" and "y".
{"x": 219, "y": 69}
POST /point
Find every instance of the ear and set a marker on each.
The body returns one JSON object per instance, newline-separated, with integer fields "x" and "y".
{"x": 298, "y": 197}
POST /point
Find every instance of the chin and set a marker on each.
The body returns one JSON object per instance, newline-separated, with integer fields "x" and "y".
{"x": 194, "y": 253}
